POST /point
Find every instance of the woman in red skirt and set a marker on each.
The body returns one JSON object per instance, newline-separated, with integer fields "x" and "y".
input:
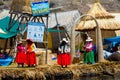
{"x": 64, "y": 57}
{"x": 20, "y": 56}
{"x": 30, "y": 54}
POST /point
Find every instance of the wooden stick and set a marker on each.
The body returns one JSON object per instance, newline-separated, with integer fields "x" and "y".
{"x": 96, "y": 0}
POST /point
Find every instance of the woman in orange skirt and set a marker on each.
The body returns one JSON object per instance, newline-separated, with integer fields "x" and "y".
{"x": 30, "y": 54}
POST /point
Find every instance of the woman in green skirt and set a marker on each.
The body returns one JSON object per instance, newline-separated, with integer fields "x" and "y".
{"x": 89, "y": 53}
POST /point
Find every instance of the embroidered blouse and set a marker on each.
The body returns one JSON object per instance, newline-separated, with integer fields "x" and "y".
{"x": 64, "y": 49}
{"x": 89, "y": 47}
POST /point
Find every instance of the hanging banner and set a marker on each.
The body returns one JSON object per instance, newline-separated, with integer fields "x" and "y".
{"x": 35, "y": 31}
{"x": 40, "y": 8}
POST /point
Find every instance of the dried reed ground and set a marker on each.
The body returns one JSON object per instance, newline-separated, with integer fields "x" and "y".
{"x": 54, "y": 72}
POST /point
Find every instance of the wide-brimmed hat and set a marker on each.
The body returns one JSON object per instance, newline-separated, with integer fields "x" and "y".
{"x": 89, "y": 39}
{"x": 64, "y": 39}
{"x": 29, "y": 40}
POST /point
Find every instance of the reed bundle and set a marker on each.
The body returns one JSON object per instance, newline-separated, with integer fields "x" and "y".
{"x": 23, "y": 6}
{"x": 98, "y": 11}
{"x": 105, "y": 23}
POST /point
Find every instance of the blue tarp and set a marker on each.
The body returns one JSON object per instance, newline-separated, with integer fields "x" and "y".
{"x": 4, "y": 26}
{"x": 5, "y": 59}
{"x": 5, "y": 22}
{"x": 111, "y": 40}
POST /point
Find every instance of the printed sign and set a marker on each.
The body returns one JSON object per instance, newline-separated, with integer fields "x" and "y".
{"x": 35, "y": 31}
{"x": 40, "y": 8}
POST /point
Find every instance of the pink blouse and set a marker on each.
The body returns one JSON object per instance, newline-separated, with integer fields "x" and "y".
{"x": 89, "y": 47}
{"x": 21, "y": 48}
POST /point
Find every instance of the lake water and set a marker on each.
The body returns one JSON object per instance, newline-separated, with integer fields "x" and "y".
{"x": 104, "y": 77}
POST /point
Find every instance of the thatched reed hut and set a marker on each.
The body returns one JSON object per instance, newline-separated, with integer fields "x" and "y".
{"x": 98, "y": 19}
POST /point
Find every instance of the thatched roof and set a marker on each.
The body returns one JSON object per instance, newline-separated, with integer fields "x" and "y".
{"x": 23, "y": 6}
{"x": 105, "y": 19}
{"x": 117, "y": 17}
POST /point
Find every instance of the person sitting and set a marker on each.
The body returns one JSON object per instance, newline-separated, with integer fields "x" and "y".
{"x": 115, "y": 48}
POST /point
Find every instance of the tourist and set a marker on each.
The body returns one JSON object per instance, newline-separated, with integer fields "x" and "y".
{"x": 30, "y": 53}
{"x": 20, "y": 56}
{"x": 64, "y": 57}
{"x": 89, "y": 53}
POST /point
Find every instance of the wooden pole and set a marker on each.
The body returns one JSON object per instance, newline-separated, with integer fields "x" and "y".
{"x": 99, "y": 45}
{"x": 96, "y": 0}
{"x": 46, "y": 40}
{"x": 57, "y": 24}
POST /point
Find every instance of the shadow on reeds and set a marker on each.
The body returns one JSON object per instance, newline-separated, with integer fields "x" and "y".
{"x": 11, "y": 78}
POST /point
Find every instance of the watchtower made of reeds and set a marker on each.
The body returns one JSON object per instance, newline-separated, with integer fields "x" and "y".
{"x": 21, "y": 11}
